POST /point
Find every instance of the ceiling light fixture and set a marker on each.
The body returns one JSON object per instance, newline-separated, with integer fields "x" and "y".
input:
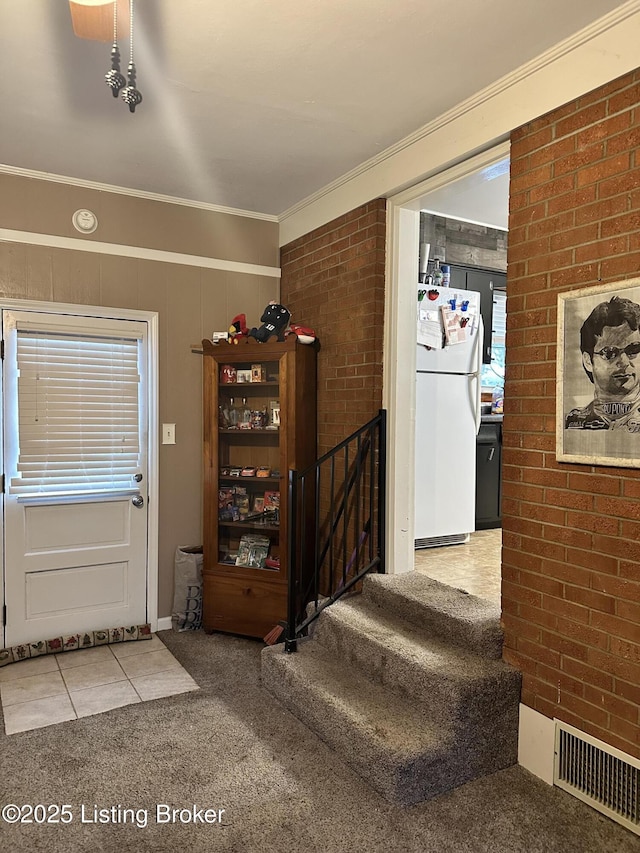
{"x": 99, "y": 20}
{"x": 93, "y": 19}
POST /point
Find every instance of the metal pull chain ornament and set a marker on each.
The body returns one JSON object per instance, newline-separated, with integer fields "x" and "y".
{"x": 115, "y": 80}
{"x": 131, "y": 95}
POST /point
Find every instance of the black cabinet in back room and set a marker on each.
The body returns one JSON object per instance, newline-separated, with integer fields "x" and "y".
{"x": 489, "y": 473}
{"x": 485, "y": 282}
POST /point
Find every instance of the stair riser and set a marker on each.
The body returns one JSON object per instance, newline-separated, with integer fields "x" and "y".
{"x": 382, "y": 665}
{"x": 481, "y": 638}
{"x": 405, "y": 783}
{"x": 477, "y": 752}
{"x": 439, "y": 694}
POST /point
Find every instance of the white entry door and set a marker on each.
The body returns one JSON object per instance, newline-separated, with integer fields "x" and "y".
{"x": 75, "y": 426}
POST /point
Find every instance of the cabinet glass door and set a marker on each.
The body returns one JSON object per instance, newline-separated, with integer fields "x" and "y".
{"x": 249, "y": 466}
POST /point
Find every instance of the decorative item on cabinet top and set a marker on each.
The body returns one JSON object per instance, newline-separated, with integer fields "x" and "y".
{"x": 239, "y": 333}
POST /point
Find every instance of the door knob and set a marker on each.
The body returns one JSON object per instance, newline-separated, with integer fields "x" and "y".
{"x": 138, "y": 501}
{"x": 137, "y": 477}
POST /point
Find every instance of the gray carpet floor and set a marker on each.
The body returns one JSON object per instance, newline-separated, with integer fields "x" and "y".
{"x": 231, "y": 746}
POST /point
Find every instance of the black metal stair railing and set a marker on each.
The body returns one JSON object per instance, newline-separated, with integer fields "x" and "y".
{"x": 337, "y": 525}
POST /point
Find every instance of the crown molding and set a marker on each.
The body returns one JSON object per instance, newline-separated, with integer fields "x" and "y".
{"x": 110, "y": 188}
{"x": 567, "y": 46}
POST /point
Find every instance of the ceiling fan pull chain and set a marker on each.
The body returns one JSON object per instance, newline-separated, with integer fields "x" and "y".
{"x": 131, "y": 95}
{"x": 115, "y": 80}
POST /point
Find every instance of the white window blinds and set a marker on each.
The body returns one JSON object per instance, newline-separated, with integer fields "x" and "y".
{"x": 499, "y": 317}
{"x": 78, "y": 413}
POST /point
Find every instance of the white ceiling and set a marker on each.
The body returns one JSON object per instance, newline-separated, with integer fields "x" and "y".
{"x": 250, "y": 104}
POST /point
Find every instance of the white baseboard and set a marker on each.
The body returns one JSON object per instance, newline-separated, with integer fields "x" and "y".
{"x": 536, "y": 743}
{"x": 164, "y": 623}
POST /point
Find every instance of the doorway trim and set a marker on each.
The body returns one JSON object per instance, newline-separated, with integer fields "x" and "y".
{"x": 399, "y": 350}
{"x": 151, "y": 318}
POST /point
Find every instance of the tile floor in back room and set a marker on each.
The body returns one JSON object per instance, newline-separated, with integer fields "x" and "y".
{"x": 474, "y": 566}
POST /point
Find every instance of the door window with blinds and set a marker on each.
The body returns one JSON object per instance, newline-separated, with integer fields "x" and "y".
{"x": 76, "y": 388}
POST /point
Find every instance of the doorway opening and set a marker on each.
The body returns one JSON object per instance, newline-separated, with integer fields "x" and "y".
{"x": 471, "y": 198}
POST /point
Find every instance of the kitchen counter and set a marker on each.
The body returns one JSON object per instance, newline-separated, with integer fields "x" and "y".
{"x": 491, "y": 419}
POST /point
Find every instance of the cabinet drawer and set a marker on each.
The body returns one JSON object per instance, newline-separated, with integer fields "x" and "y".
{"x": 242, "y": 606}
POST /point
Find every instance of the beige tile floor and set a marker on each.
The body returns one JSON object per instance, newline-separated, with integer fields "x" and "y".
{"x": 474, "y": 566}
{"x": 55, "y": 688}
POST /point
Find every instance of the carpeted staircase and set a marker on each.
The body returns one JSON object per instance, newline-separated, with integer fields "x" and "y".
{"x": 406, "y": 683}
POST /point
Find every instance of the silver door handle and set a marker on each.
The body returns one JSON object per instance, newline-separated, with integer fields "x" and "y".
{"x": 138, "y": 501}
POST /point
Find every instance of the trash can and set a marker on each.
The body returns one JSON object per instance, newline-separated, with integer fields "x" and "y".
{"x": 187, "y": 595}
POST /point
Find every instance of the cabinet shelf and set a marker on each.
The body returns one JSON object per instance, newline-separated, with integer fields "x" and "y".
{"x": 254, "y": 525}
{"x": 254, "y": 480}
{"x": 253, "y": 431}
{"x": 230, "y": 570}
{"x": 233, "y": 387}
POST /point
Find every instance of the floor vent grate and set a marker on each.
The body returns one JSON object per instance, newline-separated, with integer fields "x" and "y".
{"x": 437, "y": 541}
{"x": 599, "y": 774}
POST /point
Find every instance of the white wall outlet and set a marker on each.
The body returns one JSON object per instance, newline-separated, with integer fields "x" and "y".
{"x": 168, "y": 433}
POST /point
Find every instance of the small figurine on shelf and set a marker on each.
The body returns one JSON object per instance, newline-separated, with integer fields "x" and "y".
{"x": 238, "y": 328}
{"x": 304, "y": 334}
{"x": 275, "y": 320}
{"x": 228, "y": 374}
{"x": 223, "y": 416}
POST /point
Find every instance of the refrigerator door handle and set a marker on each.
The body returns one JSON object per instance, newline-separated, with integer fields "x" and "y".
{"x": 478, "y": 373}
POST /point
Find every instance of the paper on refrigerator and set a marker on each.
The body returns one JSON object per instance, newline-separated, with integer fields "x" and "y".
{"x": 456, "y": 326}
{"x": 430, "y": 330}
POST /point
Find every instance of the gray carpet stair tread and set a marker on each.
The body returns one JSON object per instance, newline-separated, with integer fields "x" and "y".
{"x": 440, "y": 609}
{"x": 351, "y": 707}
{"x": 365, "y": 618}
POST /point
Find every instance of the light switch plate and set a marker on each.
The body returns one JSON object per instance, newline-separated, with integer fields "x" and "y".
{"x": 168, "y": 433}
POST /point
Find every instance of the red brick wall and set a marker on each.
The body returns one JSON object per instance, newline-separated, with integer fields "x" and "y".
{"x": 333, "y": 281}
{"x": 571, "y": 540}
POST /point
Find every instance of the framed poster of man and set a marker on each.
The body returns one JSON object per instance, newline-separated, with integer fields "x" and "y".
{"x": 598, "y": 375}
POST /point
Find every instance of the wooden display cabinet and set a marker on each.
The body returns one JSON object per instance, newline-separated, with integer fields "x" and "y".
{"x": 245, "y": 592}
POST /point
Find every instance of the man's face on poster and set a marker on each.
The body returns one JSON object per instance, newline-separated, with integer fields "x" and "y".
{"x": 615, "y": 363}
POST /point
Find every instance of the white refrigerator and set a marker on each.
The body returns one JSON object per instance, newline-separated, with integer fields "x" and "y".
{"x": 448, "y": 407}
